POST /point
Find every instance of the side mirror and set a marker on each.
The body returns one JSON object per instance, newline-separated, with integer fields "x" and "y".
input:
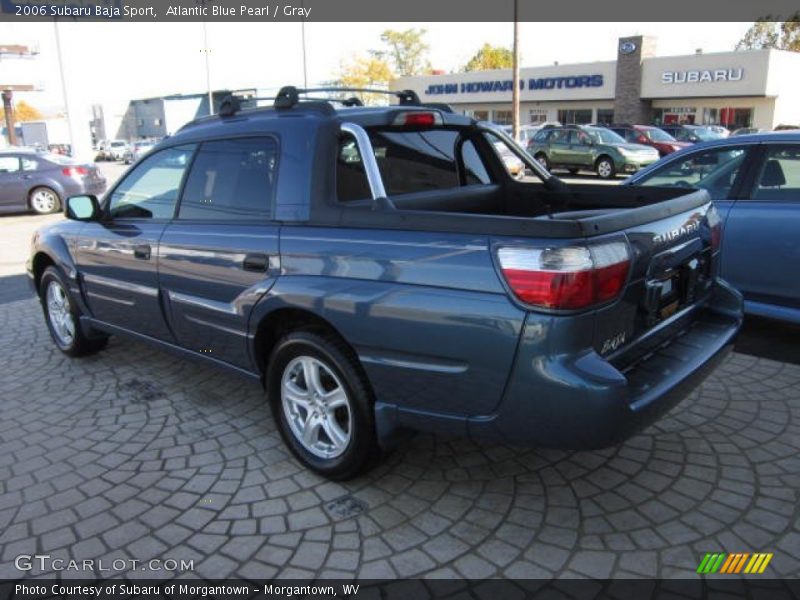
{"x": 82, "y": 208}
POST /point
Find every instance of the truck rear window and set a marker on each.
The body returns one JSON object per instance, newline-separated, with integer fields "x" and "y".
{"x": 409, "y": 162}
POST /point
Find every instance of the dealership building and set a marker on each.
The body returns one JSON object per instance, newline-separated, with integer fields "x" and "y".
{"x": 748, "y": 88}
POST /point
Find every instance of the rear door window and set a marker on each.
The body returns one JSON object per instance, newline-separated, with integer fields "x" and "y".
{"x": 9, "y": 164}
{"x": 231, "y": 180}
{"x": 779, "y": 179}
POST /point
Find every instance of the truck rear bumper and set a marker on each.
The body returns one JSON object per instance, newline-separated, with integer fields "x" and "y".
{"x": 584, "y": 401}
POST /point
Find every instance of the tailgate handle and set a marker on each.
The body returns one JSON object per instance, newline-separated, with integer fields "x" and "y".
{"x": 256, "y": 262}
{"x": 142, "y": 251}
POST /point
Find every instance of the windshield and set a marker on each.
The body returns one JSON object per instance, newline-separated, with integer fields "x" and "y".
{"x": 657, "y": 135}
{"x": 605, "y": 136}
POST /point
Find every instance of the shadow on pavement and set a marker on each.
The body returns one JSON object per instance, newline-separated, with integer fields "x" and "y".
{"x": 14, "y": 287}
{"x": 770, "y": 339}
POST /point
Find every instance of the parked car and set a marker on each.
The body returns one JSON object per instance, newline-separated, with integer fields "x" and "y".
{"x": 137, "y": 150}
{"x": 647, "y": 135}
{"x": 746, "y": 130}
{"x": 379, "y": 270}
{"x": 39, "y": 181}
{"x": 512, "y": 163}
{"x": 720, "y": 129}
{"x": 526, "y": 132}
{"x": 599, "y": 149}
{"x": 754, "y": 181}
{"x": 115, "y": 150}
{"x": 691, "y": 133}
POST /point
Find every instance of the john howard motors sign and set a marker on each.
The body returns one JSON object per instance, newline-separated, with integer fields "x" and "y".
{"x": 507, "y": 85}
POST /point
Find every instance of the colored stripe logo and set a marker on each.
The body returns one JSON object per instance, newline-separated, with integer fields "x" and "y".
{"x": 731, "y": 564}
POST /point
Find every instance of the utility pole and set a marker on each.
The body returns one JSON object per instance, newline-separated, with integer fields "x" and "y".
{"x": 515, "y": 82}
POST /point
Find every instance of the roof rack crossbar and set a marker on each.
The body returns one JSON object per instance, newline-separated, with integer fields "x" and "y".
{"x": 289, "y": 95}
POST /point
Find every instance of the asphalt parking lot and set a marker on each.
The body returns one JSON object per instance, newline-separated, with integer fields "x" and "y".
{"x": 133, "y": 454}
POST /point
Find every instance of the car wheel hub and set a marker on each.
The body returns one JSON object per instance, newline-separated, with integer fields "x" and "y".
{"x": 316, "y": 406}
{"x": 605, "y": 169}
{"x": 59, "y": 314}
{"x": 43, "y": 201}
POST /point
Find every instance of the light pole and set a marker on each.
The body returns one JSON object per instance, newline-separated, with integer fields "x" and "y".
{"x": 206, "y": 51}
{"x": 515, "y": 82}
{"x": 64, "y": 90}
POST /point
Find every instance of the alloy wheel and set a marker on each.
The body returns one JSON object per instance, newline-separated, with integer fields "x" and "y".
{"x": 316, "y": 406}
{"x": 59, "y": 314}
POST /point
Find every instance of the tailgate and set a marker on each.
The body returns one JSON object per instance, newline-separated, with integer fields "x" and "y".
{"x": 674, "y": 263}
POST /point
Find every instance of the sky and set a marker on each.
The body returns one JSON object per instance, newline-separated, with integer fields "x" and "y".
{"x": 111, "y": 63}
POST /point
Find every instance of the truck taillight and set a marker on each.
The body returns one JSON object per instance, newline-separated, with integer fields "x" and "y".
{"x": 569, "y": 278}
{"x": 715, "y": 223}
{"x": 75, "y": 171}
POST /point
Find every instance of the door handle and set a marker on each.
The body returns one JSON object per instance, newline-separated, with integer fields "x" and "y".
{"x": 255, "y": 262}
{"x": 142, "y": 251}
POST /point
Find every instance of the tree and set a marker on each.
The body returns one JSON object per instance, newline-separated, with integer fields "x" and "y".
{"x": 772, "y": 34}
{"x": 490, "y": 57}
{"x": 23, "y": 112}
{"x": 366, "y": 72}
{"x": 406, "y": 50}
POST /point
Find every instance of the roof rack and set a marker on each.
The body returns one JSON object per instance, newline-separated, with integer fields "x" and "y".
{"x": 289, "y": 96}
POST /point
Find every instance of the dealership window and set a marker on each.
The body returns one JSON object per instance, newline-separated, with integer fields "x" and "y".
{"x": 710, "y": 116}
{"x": 537, "y": 116}
{"x": 605, "y": 115}
{"x": 580, "y": 116}
{"x": 157, "y": 122}
{"x": 502, "y": 117}
{"x": 478, "y": 115}
{"x": 681, "y": 115}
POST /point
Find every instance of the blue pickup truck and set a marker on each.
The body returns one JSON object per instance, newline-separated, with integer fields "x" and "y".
{"x": 380, "y": 270}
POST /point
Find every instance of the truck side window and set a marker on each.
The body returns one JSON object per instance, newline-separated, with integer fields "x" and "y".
{"x": 476, "y": 171}
{"x": 231, "y": 180}
{"x": 351, "y": 178}
{"x": 150, "y": 190}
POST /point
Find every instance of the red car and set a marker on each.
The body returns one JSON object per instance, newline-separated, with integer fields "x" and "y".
{"x": 649, "y": 136}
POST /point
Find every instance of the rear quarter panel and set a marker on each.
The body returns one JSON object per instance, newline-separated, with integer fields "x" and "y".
{"x": 425, "y": 312}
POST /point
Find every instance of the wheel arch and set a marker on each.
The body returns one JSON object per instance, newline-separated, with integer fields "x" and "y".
{"x": 277, "y": 323}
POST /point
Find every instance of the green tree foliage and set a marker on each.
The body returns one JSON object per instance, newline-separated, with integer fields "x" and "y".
{"x": 406, "y": 50}
{"x": 765, "y": 33}
{"x": 366, "y": 72}
{"x": 490, "y": 57}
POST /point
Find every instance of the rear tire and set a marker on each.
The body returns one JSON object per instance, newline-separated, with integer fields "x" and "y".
{"x": 44, "y": 201}
{"x": 322, "y": 404}
{"x": 605, "y": 168}
{"x": 62, "y": 316}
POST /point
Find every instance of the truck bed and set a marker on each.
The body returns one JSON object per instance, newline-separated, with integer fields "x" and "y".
{"x": 522, "y": 208}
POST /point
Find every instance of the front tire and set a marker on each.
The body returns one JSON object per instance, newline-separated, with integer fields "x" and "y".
{"x": 44, "y": 201}
{"x": 542, "y": 159}
{"x": 322, "y": 404}
{"x": 63, "y": 317}
{"x": 605, "y": 168}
